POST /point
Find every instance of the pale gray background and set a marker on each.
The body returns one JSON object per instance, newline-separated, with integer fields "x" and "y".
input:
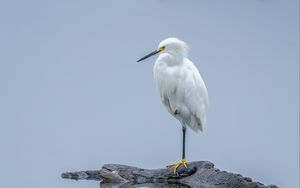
{"x": 72, "y": 96}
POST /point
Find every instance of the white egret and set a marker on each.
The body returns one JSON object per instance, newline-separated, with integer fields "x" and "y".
{"x": 181, "y": 88}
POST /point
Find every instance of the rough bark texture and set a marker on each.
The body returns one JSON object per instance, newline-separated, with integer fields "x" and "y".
{"x": 198, "y": 174}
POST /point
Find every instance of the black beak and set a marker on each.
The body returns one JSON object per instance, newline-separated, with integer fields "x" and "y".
{"x": 149, "y": 55}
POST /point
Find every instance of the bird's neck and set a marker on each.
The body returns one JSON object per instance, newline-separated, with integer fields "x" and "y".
{"x": 171, "y": 59}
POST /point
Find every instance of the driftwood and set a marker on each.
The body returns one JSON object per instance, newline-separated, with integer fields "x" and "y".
{"x": 198, "y": 174}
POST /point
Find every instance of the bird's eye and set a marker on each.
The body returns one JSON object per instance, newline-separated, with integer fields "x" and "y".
{"x": 162, "y": 48}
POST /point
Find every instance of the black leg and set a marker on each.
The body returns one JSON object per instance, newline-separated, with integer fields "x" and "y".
{"x": 183, "y": 142}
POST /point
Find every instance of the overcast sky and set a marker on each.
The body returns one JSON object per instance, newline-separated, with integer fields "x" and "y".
{"x": 72, "y": 96}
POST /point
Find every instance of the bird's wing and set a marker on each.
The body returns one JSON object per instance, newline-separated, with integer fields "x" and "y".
{"x": 195, "y": 96}
{"x": 166, "y": 102}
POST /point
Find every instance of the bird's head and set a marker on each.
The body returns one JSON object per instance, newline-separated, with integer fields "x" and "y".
{"x": 172, "y": 46}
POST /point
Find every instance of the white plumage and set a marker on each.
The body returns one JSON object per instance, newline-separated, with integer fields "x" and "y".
{"x": 181, "y": 88}
{"x": 180, "y": 85}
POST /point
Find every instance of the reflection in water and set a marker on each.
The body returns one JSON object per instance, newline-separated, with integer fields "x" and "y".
{"x": 156, "y": 185}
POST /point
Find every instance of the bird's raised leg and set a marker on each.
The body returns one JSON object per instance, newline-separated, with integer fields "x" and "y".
{"x": 183, "y": 162}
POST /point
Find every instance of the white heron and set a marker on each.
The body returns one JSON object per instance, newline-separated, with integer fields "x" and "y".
{"x": 181, "y": 88}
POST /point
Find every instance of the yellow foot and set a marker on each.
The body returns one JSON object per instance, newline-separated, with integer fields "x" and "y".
{"x": 183, "y": 162}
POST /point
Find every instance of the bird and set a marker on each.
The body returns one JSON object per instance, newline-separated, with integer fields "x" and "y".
{"x": 181, "y": 88}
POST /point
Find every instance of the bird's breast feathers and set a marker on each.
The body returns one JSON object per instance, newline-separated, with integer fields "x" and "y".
{"x": 183, "y": 91}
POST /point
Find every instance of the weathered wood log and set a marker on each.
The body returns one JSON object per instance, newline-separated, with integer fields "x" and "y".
{"x": 198, "y": 174}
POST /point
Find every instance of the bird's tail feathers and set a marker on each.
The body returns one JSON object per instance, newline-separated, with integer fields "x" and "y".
{"x": 196, "y": 124}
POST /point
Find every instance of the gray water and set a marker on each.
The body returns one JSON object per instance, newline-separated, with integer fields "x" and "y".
{"x": 72, "y": 96}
